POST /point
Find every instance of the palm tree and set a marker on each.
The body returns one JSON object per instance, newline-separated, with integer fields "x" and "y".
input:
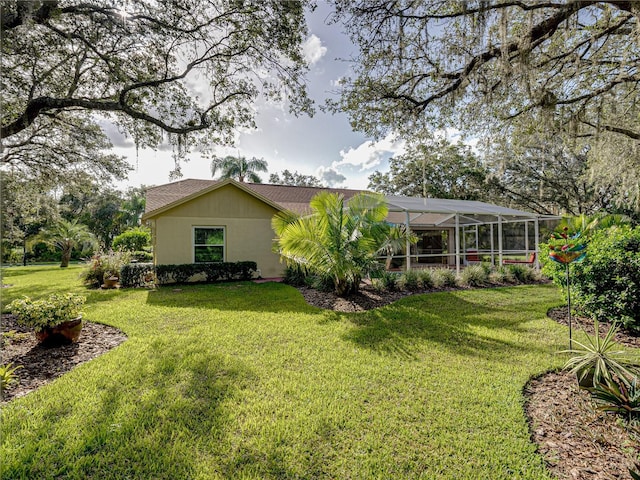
{"x": 239, "y": 168}
{"x": 338, "y": 242}
{"x": 67, "y": 235}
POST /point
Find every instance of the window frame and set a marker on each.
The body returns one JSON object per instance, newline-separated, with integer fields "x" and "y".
{"x": 194, "y": 244}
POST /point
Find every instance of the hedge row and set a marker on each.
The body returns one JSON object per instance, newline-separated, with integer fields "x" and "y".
{"x": 145, "y": 274}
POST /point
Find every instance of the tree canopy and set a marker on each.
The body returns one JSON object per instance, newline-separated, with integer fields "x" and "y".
{"x": 483, "y": 63}
{"x": 294, "y": 179}
{"x": 239, "y": 168}
{"x": 433, "y": 168}
{"x": 67, "y": 65}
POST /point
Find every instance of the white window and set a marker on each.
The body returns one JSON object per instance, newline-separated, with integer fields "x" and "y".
{"x": 208, "y": 244}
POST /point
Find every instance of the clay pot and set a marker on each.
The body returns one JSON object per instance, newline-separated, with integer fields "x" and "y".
{"x": 61, "y": 334}
{"x": 111, "y": 282}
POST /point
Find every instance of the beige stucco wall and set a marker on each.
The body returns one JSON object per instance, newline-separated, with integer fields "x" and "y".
{"x": 247, "y": 224}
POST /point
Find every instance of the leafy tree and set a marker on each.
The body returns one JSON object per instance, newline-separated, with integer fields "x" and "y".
{"x": 66, "y": 236}
{"x": 500, "y": 68}
{"x": 68, "y": 66}
{"x": 338, "y": 242}
{"x": 239, "y": 168}
{"x": 132, "y": 207}
{"x": 27, "y": 206}
{"x": 546, "y": 178}
{"x": 295, "y": 179}
{"x": 434, "y": 168}
{"x": 132, "y": 240}
{"x": 480, "y": 63}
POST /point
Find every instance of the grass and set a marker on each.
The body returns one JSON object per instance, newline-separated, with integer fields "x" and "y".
{"x": 248, "y": 381}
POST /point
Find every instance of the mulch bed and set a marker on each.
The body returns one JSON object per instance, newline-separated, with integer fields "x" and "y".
{"x": 40, "y": 364}
{"x": 576, "y": 441}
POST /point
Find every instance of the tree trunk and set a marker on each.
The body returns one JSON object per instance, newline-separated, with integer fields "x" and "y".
{"x": 66, "y": 256}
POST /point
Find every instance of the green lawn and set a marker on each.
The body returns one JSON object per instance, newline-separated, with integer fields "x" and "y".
{"x": 248, "y": 381}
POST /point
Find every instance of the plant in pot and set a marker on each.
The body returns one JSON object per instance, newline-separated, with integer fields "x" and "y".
{"x": 55, "y": 320}
{"x": 597, "y": 362}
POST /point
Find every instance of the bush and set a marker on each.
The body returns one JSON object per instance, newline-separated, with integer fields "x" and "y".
{"x": 136, "y": 275}
{"x": 474, "y": 276}
{"x": 409, "y": 280}
{"x": 606, "y": 284}
{"x": 133, "y": 240}
{"x": 205, "y": 272}
{"x": 142, "y": 256}
{"x": 40, "y": 314}
{"x": 103, "y": 265}
{"x": 502, "y": 275}
{"x": 424, "y": 278}
{"x": 522, "y": 273}
{"x": 443, "y": 278}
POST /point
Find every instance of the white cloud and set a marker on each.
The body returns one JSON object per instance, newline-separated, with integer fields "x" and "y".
{"x": 369, "y": 155}
{"x": 313, "y": 50}
{"x": 330, "y": 176}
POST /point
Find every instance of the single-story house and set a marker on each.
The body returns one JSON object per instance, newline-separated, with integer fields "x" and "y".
{"x": 195, "y": 221}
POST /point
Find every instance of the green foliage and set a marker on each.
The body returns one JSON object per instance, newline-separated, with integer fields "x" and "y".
{"x": 607, "y": 283}
{"x": 239, "y": 168}
{"x": 501, "y": 275}
{"x": 474, "y": 276}
{"x": 522, "y": 273}
{"x": 295, "y": 179}
{"x": 8, "y": 376}
{"x": 425, "y": 279}
{"x": 136, "y": 275}
{"x": 443, "y": 278}
{"x": 337, "y": 242}
{"x": 104, "y": 265}
{"x": 205, "y": 272}
{"x": 409, "y": 280}
{"x": 134, "y": 239}
{"x": 43, "y": 313}
{"x": 68, "y": 236}
{"x": 142, "y": 256}
{"x": 598, "y": 357}
{"x": 618, "y": 398}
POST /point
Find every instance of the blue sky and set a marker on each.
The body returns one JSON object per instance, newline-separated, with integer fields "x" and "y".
{"x": 324, "y": 145}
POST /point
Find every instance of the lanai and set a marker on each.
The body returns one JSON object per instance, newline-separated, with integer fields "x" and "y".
{"x": 459, "y": 217}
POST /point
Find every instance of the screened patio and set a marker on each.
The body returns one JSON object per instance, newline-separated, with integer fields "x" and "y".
{"x": 454, "y": 233}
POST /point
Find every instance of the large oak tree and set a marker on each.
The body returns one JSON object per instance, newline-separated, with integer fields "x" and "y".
{"x": 183, "y": 68}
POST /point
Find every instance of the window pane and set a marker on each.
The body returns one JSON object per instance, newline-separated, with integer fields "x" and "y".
{"x": 209, "y": 236}
{"x": 209, "y": 254}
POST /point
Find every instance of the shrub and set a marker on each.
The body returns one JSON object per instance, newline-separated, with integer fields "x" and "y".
{"x": 522, "y": 273}
{"x": 7, "y": 376}
{"x": 618, "y": 398}
{"x": 409, "y": 280}
{"x": 40, "y": 314}
{"x": 474, "y": 276}
{"x": 135, "y": 239}
{"x": 502, "y": 275}
{"x": 424, "y": 278}
{"x": 136, "y": 275}
{"x": 103, "y": 265}
{"x": 607, "y": 283}
{"x": 141, "y": 256}
{"x": 294, "y": 275}
{"x": 443, "y": 278}
{"x": 205, "y": 272}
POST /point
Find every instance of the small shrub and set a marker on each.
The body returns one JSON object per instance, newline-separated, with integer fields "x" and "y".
{"x": 141, "y": 256}
{"x": 294, "y": 276}
{"x": 44, "y": 313}
{"x": 135, "y": 239}
{"x": 137, "y": 275}
{"x": 474, "y": 276}
{"x": 443, "y": 278}
{"x": 502, "y": 275}
{"x": 409, "y": 280}
{"x": 104, "y": 265}
{"x": 424, "y": 278}
{"x": 390, "y": 280}
{"x": 618, "y": 398}
{"x": 7, "y": 376}
{"x": 522, "y": 273}
{"x": 210, "y": 272}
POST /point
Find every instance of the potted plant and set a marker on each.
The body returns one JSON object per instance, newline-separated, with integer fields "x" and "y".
{"x": 595, "y": 362}
{"x": 55, "y": 320}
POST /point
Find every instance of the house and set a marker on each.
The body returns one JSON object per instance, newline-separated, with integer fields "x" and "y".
{"x": 194, "y": 221}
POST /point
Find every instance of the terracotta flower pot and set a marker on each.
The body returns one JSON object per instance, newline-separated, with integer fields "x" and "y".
{"x": 111, "y": 282}
{"x": 63, "y": 333}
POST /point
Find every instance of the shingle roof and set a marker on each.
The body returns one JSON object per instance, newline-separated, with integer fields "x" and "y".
{"x": 295, "y": 199}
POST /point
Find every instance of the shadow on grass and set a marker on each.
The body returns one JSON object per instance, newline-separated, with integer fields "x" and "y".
{"x": 150, "y": 419}
{"x": 451, "y": 320}
{"x": 238, "y": 296}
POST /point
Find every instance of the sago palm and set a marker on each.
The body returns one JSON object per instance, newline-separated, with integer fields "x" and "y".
{"x": 67, "y": 235}
{"x": 338, "y": 241}
{"x": 238, "y": 168}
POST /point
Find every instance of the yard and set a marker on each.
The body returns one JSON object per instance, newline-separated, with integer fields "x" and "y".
{"x": 248, "y": 381}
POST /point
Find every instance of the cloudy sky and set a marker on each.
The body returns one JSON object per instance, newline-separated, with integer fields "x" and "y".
{"x": 324, "y": 145}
